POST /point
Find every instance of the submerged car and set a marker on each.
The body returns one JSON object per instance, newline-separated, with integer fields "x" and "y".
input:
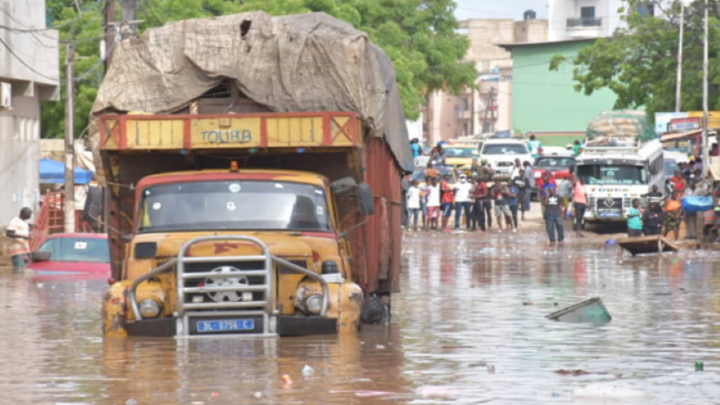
{"x": 72, "y": 256}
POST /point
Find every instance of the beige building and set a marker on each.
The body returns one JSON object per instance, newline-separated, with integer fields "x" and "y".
{"x": 28, "y": 75}
{"x": 487, "y": 108}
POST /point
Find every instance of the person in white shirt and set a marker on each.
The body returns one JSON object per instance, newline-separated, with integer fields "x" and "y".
{"x": 462, "y": 201}
{"x": 433, "y": 203}
{"x": 516, "y": 169}
{"x": 19, "y": 231}
{"x": 413, "y": 202}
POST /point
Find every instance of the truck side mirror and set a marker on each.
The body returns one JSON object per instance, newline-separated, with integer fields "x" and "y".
{"x": 366, "y": 203}
{"x": 40, "y": 256}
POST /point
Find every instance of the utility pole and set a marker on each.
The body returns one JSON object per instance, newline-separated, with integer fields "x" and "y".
{"x": 110, "y": 26}
{"x": 678, "y": 84}
{"x": 706, "y": 154}
{"x": 492, "y": 109}
{"x": 69, "y": 138}
{"x": 129, "y": 11}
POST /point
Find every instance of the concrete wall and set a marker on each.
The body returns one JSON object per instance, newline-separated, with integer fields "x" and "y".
{"x": 545, "y": 101}
{"x": 531, "y": 31}
{"x": 32, "y": 72}
{"x": 19, "y": 156}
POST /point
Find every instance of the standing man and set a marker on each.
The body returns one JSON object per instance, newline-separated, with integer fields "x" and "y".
{"x": 553, "y": 219}
{"x": 529, "y": 184}
{"x": 446, "y": 200}
{"x": 580, "y": 204}
{"x": 19, "y": 231}
{"x": 430, "y": 172}
{"x": 691, "y": 219}
{"x": 512, "y": 196}
{"x": 517, "y": 167}
{"x": 462, "y": 201}
{"x": 500, "y": 196}
{"x": 548, "y": 183}
{"x": 534, "y": 146}
{"x": 634, "y": 220}
{"x": 481, "y": 194}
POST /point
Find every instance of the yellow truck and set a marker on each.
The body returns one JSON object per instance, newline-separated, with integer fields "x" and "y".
{"x": 246, "y": 243}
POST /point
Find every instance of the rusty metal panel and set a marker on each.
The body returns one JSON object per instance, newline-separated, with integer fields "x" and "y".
{"x": 376, "y": 247}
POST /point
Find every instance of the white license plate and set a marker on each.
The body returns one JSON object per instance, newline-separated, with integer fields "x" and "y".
{"x": 225, "y": 325}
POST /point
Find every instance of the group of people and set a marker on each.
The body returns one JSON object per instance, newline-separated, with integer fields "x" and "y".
{"x": 472, "y": 200}
{"x": 667, "y": 217}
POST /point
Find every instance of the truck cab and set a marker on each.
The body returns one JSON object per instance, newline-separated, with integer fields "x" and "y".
{"x": 235, "y": 251}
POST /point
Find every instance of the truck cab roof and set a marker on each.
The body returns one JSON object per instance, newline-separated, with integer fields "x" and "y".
{"x": 295, "y": 176}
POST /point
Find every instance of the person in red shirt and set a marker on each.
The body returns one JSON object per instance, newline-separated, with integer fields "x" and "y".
{"x": 447, "y": 198}
{"x": 678, "y": 182}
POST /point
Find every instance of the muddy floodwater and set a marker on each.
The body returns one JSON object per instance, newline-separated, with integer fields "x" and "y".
{"x": 469, "y": 327}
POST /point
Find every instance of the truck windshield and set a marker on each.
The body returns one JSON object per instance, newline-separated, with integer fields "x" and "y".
{"x": 233, "y": 205}
{"x": 616, "y": 174}
{"x": 505, "y": 149}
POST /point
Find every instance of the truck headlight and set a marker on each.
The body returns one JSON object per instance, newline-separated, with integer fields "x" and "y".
{"x": 313, "y": 304}
{"x": 149, "y": 308}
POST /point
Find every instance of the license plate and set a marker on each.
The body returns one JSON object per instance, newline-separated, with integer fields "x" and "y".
{"x": 612, "y": 214}
{"x": 225, "y": 326}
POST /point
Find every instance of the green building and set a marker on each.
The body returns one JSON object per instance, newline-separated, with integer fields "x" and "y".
{"x": 544, "y": 102}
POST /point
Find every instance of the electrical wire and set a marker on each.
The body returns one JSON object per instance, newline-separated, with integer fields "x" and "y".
{"x": 2, "y": 41}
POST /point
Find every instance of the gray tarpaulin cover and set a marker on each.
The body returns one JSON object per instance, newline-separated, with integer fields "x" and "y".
{"x": 308, "y": 62}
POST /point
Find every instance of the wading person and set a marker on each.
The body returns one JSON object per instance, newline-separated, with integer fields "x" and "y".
{"x": 580, "y": 201}
{"x": 19, "y": 231}
{"x": 553, "y": 216}
{"x": 462, "y": 202}
{"x": 634, "y": 220}
{"x": 547, "y": 183}
{"x": 673, "y": 215}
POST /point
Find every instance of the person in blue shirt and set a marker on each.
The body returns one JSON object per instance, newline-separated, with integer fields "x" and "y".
{"x": 415, "y": 146}
{"x": 548, "y": 183}
{"x": 634, "y": 220}
{"x": 534, "y": 146}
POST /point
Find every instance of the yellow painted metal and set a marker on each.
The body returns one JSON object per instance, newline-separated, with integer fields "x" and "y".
{"x": 154, "y": 134}
{"x": 294, "y": 132}
{"x": 346, "y": 301}
{"x": 226, "y": 132}
{"x": 339, "y": 138}
{"x": 113, "y": 310}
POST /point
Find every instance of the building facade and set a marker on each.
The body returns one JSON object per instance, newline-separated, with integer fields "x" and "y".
{"x": 577, "y": 19}
{"x": 487, "y": 108}
{"x": 545, "y": 102}
{"x": 28, "y": 75}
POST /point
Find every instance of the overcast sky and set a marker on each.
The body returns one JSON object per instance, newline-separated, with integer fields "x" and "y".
{"x": 490, "y": 9}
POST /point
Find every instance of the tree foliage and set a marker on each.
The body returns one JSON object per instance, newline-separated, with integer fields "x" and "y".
{"x": 419, "y": 36}
{"x": 639, "y": 63}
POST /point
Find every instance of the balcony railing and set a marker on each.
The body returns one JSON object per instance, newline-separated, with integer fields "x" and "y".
{"x": 584, "y": 22}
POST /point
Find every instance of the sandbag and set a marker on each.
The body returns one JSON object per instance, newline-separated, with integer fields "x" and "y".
{"x": 621, "y": 123}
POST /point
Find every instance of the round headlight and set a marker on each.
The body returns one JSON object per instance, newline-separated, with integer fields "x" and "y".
{"x": 313, "y": 304}
{"x": 149, "y": 308}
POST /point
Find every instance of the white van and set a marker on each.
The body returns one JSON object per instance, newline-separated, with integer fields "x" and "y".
{"x": 615, "y": 172}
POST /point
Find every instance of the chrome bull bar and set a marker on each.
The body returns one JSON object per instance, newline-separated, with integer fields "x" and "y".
{"x": 264, "y": 308}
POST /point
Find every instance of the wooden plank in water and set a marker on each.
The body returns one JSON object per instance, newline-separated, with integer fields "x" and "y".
{"x": 647, "y": 244}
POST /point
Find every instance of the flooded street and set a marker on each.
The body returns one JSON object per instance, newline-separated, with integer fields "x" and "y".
{"x": 469, "y": 327}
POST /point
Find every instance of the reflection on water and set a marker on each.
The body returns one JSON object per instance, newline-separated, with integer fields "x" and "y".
{"x": 469, "y": 327}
